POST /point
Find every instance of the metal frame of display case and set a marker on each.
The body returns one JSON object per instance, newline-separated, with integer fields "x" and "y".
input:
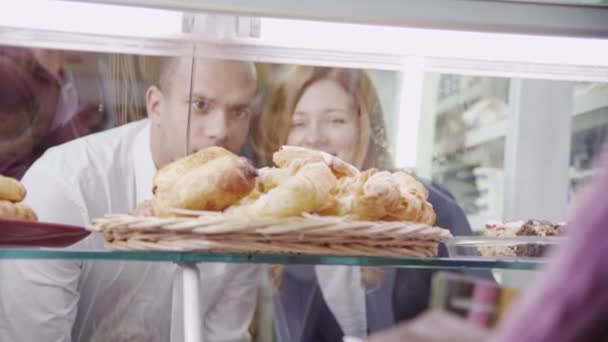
{"x": 524, "y": 264}
{"x": 470, "y": 15}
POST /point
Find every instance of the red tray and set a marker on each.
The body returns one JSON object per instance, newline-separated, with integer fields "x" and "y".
{"x": 15, "y": 233}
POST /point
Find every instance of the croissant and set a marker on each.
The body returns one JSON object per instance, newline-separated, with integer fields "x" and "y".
{"x": 16, "y": 211}
{"x": 370, "y": 195}
{"x": 11, "y": 189}
{"x": 380, "y": 195}
{"x": 408, "y": 183}
{"x": 427, "y": 215}
{"x": 215, "y": 185}
{"x": 287, "y": 154}
{"x": 270, "y": 178}
{"x": 168, "y": 175}
{"x": 305, "y": 191}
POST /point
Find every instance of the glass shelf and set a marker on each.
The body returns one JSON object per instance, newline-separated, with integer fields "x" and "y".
{"x": 259, "y": 258}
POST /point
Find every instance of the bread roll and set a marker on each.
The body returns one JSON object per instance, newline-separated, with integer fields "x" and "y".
{"x": 305, "y": 191}
{"x": 287, "y": 154}
{"x": 11, "y": 189}
{"x": 168, "y": 175}
{"x": 16, "y": 211}
{"x": 214, "y": 185}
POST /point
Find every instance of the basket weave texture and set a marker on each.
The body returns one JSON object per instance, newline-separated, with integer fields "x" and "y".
{"x": 195, "y": 231}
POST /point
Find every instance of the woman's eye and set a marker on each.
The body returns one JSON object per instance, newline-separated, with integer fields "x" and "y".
{"x": 338, "y": 121}
{"x": 201, "y": 106}
{"x": 296, "y": 124}
{"x": 242, "y": 113}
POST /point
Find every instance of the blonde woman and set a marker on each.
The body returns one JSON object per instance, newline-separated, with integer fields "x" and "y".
{"x": 338, "y": 111}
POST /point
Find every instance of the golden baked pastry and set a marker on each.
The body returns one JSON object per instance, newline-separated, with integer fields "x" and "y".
{"x": 214, "y": 185}
{"x": 306, "y": 190}
{"x": 367, "y": 196}
{"x": 427, "y": 215}
{"x": 270, "y": 177}
{"x": 16, "y": 211}
{"x": 306, "y": 181}
{"x": 408, "y": 183}
{"x": 287, "y": 154}
{"x": 409, "y": 209}
{"x": 168, "y": 175}
{"x": 379, "y": 197}
{"x": 11, "y": 189}
{"x": 374, "y": 195}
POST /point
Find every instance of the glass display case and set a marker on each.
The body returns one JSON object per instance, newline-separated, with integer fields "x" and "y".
{"x": 497, "y": 114}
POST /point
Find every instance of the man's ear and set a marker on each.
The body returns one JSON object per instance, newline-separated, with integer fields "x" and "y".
{"x": 154, "y": 102}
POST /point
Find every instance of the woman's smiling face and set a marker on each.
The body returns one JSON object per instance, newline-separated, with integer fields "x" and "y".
{"x": 325, "y": 118}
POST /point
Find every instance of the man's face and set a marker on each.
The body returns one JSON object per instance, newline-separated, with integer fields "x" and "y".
{"x": 223, "y": 93}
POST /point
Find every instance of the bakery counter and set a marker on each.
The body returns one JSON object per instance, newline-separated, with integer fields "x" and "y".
{"x": 265, "y": 258}
{"x": 193, "y": 283}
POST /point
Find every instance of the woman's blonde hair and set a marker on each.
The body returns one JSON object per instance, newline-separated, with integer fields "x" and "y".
{"x": 271, "y": 128}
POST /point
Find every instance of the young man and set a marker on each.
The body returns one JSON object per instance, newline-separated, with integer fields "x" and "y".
{"x": 111, "y": 172}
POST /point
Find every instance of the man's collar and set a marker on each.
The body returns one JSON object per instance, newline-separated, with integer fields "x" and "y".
{"x": 143, "y": 165}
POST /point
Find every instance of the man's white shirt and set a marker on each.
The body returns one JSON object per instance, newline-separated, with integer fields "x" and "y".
{"x": 75, "y": 300}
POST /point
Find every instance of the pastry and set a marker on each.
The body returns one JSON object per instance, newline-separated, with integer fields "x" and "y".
{"x": 214, "y": 185}
{"x": 305, "y": 181}
{"x": 305, "y": 191}
{"x": 371, "y": 195}
{"x": 374, "y": 195}
{"x": 409, "y": 209}
{"x": 16, "y": 211}
{"x": 168, "y": 175}
{"x": 520, "y": 228}
{"x": 408, "y": 183}
{"x": 288, "y": 154}
{"x": 268, "y": 179}
{"x": 427, "y": 215}
{"x": 11, "y": 189}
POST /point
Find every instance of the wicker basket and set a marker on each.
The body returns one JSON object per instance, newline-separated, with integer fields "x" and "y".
{"x": 309, "y": 234}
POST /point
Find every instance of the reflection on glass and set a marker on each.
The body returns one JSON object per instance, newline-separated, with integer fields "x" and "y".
{"x": 49, "y": 97}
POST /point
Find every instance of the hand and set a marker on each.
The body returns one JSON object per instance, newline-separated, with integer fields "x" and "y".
{"x": 433, "y": 326}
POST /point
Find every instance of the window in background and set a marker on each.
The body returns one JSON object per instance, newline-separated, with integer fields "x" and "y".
{"x": 469, "y": 140}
